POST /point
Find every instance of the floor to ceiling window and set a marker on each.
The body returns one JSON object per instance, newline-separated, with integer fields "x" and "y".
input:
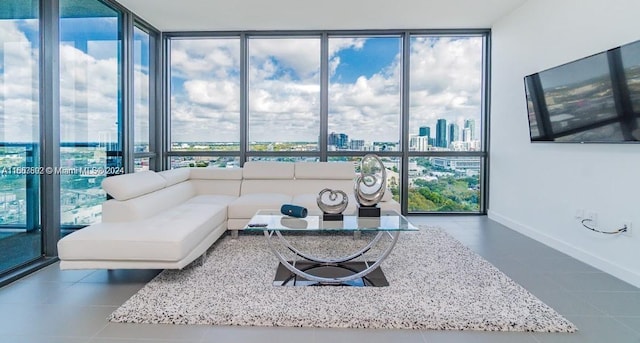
{"x": 143, "y": 149}
{"x": 78, "y": 103}
{"x": 205, "y": 102}
{"x": 20, "y": 234}
{"x": 414, "y": 98}
{"x": 90, "y": 106}
{"x": 364, "y": 101}
{"x": 445, "y": 123}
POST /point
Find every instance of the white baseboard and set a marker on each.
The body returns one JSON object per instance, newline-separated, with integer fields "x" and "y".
{"x": 575, "y": 252}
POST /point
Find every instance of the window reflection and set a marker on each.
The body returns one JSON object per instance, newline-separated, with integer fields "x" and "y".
{"x": 90, "y": 107}
{"x": 20, "y": 235}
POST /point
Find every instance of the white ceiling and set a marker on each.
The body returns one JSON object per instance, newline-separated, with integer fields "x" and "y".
{"x": 203, "y": 15}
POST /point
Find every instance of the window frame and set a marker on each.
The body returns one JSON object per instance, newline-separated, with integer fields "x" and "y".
{"x": 323, "y": 154}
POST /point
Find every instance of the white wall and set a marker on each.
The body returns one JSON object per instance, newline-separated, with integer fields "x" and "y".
{"x": 536, "y": 188}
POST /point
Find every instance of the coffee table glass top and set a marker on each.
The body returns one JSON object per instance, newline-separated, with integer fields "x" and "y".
{"x": 274, "y": 220}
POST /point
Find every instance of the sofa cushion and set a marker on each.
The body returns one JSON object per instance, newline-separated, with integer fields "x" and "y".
{"x": 223, "y": 187}
{"x": 127, "y": 186}
{"x": 147, "y": 205}
{"x": 169, "y": 236}
{"x": 247, "y": 205}
{"x": 215, "y": 173}
{"x": 268, "y": 186}
{"x": 253, "y": 170}
{"x": 174, "y": 176}
{"x": 325, "y": 170}
{"x": 214, "y": 199}
{"x": 305, "y": 186}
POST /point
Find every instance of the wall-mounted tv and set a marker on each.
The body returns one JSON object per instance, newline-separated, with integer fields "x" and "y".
{"x": 595, "y": 99}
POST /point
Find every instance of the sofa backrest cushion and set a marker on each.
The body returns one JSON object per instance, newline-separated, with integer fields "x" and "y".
{"x": 215, "y": 173}
{"x": 253, "y": 170}
{"x": 147, "y": 205}
{"x": 223, "y": 181}
{"x": 312, "y": 177}
{"x": 127, "y": 186}
{"x": 315, "y": 186}
{"x": 175, "y": 176}
{"x": 267, "y": 177}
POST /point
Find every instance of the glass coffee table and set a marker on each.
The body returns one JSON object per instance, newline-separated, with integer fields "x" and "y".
{"x": 306, "y": 269}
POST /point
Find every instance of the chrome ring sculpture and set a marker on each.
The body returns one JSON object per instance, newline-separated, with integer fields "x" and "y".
{"x": 372, "y": 181}
{"x": 335, "y": 205}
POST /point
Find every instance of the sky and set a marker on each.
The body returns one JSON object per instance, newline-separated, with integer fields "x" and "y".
{"x": 284, "y": 91}
{"x": 284, "y": 85}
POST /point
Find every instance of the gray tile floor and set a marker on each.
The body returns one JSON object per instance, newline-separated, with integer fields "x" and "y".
{"x": 71, "y": 306}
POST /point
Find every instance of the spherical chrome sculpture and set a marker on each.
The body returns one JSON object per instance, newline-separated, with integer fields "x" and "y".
{"x": 372, "y": 181}
{"x": 329, "y": 202}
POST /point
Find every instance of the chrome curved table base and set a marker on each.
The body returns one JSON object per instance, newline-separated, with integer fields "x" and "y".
{"x": 269, "y": 233}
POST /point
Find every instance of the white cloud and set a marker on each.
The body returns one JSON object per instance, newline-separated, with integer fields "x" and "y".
{"x": 88, "y": 96}
{"x": 205, "y": 101}
{"x": 198, "y": 58}
{"x": 446, "y": 80}
{"x": 284, "y": 90}
{"x": 222, "y": 94}
{"x": 336, "y": 44}
{"x": 19, "y": 110}
{"x": 284, "y": 100}
{"x": 302, "y": 55}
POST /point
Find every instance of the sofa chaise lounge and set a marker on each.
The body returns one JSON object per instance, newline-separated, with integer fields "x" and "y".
{"x": 166, "y": 220}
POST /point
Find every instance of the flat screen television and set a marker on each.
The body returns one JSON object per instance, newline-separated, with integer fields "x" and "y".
{"x": 595, "y": 99}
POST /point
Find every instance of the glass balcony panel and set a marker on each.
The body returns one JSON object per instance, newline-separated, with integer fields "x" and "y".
{"x": 20, "y": 169}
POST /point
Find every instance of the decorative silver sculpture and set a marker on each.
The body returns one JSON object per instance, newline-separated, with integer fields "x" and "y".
{"x": 370, "y": 185}
{"x": 329, "y": 202}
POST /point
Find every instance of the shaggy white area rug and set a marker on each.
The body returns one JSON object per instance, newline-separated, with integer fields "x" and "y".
{"x": 435, "y": 283}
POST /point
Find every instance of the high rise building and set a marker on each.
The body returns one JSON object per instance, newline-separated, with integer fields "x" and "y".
{"x": 424, "y": 131}
{"x": 441, "y": 133}
{"x": 356, "y": 144}
{"x": 454, "y": 133}
{"x": 339, "y": 140}
{"x": 419, "y": 143}
{"x": 466, "y": 134}
{"x": 471, "y": 125}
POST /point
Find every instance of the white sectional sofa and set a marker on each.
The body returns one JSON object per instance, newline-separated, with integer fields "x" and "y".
{"x": 166, "y": 220}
